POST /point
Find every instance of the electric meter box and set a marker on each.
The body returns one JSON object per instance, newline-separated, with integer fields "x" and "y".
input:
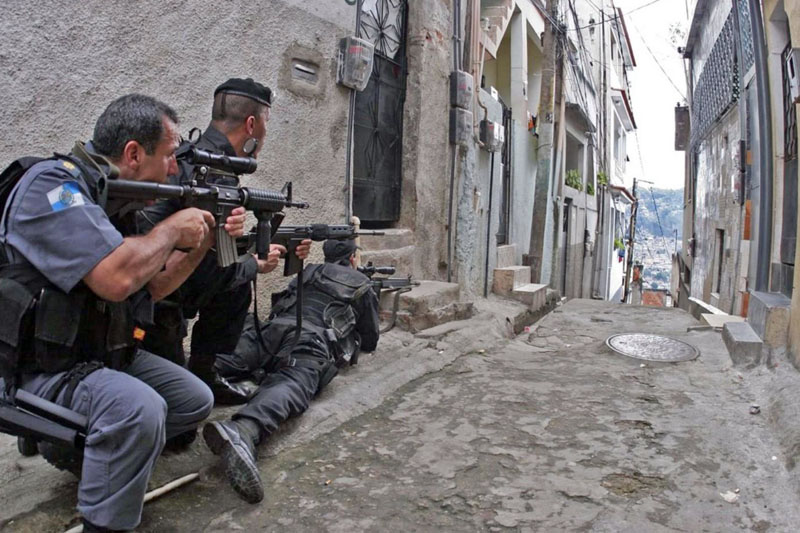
{"x": 493, "y": 135}
{"x": 355, "y": 62}
{"x": 461, "y": 89}
{"x": 460, "y": 126}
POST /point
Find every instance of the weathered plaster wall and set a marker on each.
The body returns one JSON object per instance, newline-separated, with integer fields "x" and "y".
{"x": 64, "y": 63}
{"x": 523, "y": 186}
{"x": 474, "y": 199}
{"x": 426, "y": 149}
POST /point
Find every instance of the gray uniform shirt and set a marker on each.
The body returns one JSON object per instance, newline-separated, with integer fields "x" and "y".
{"x": 52, "y": 221}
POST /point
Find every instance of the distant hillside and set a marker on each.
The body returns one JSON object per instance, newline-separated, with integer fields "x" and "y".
{"x": 670, "y": 210}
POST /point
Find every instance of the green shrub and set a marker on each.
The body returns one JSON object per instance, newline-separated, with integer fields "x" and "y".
{"x": 590, "y": 189}
{"x": 574, "y": 180}
{"x": 602, "y": 178}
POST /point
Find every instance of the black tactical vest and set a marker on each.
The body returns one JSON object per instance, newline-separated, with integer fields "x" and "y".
{"x": 44, "y": 329}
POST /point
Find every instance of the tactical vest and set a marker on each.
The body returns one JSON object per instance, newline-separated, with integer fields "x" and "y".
{"x": 44, "y": 329}
{"x": 330, "y": 295}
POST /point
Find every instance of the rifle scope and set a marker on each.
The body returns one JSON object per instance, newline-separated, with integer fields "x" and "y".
{"x": 226, "y": 163}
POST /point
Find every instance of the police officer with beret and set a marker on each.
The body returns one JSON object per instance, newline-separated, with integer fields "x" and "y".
{"x": 219, "y": 297}
{"x": 340, "y": 317}
{"x": 73, "y": 288}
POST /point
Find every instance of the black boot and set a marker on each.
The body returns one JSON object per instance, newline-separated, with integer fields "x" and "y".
{"x": 237, "y": 446}
{"x": 225, "y": 392}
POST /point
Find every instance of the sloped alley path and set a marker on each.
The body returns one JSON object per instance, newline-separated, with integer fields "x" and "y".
{"x": 549, "y": 431}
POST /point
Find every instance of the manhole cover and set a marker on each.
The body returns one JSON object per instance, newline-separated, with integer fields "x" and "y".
{"x": 652, "y": 347}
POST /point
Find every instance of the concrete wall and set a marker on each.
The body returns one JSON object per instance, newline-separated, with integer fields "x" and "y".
{"x": 426, "y": 150}
{"x": 716, "y": 203}
{"x": 792, "y": 10}
{"x": 480, "y": 193}
{"x": 65, "y": 63}
{"x": 717, "y": 208}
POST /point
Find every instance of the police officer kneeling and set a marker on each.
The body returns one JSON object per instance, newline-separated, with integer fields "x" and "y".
{"x": 72, "y": 286}
{"x": 339, "y": 318}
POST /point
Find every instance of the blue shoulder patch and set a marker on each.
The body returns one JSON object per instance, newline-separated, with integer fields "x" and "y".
{"x": 68, "y": 194}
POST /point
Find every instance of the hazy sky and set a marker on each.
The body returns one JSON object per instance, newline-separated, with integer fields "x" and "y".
{"x": 653, "y": 95}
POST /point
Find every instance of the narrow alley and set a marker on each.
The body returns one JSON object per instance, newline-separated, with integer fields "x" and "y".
{"x": 548, "y": 432}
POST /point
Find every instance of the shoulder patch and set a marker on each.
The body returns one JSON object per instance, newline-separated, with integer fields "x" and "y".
{"x": 68, "y": 194}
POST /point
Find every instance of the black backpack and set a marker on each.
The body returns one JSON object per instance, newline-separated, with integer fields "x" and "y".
{"x": 8, "y": 179}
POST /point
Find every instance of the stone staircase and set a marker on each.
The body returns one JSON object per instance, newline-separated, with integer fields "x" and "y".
{"x": 427, "y": 305}
{"x": 395, "y": 248}
{"x": 498, "y": 14}
{"x": 514, "y": 281}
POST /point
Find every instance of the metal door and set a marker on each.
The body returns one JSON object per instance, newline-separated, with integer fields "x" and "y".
{"x": 378, "y": 118}
{"x": 505, "y": 198}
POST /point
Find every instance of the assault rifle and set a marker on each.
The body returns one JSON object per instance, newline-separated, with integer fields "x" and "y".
{"x": 292, "y": 236}
{"x": 216, "y": 198}
{"x": 396, "y": 285}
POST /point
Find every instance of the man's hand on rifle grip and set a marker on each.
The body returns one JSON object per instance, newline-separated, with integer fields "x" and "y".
{"x": 303, "y": 249}
{"x": 234, "y": 224}
{"x": 269, "y": 264}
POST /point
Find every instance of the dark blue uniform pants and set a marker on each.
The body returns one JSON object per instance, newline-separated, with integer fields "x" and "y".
{"x": 130, "y": 413}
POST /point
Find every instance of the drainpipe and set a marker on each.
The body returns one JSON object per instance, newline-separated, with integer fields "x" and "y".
{"x": 457, "y": 62}
{"x": 765, "y": 147}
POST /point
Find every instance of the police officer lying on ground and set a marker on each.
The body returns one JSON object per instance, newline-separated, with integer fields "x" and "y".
{"x": 340, "y": 317}
{"x": 222, "y": 296}
{"x": 91, "y": 282}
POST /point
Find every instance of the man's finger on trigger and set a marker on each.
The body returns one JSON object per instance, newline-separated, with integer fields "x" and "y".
{"x": 278, "y": 247}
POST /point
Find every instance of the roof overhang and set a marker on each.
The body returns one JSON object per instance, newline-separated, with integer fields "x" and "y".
{"x": 627, "y": 50}
{"x": 623, "y": 106}
{"x": 622, "y": 193}
{"x": 580, "y": 114}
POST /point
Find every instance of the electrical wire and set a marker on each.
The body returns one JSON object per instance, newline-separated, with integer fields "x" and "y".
{"x": 683, "y": 96}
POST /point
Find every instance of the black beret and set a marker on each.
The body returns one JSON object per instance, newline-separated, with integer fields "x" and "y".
{"x": 247, "y": 87}
{"x": 336, "y": 251}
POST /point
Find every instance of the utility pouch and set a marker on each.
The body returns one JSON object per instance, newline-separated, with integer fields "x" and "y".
{"x": 341, "y": 321}
{"x": 14, "y": 317}
{"x": 120, "y": 344}
{"x": 58, "y": 317}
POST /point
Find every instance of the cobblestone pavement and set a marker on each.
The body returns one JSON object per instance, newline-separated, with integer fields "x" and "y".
{"x": 549, "y": 431}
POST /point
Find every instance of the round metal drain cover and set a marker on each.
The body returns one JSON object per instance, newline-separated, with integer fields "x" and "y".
{"x": 652, "y": 347}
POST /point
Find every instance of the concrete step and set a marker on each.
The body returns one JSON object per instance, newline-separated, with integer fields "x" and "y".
{"x": 769, "y": 315}
{"x": 429, "y": 304}
{"x": 532, "y": 294}
{"x": 391, "y": 239}
{"x": 505, "y": 280}
{"x": 506, "y": 255}
{"x": 743, "y": 343}
{"x": 400, "y": 258}
{"x": 717, "y": 321}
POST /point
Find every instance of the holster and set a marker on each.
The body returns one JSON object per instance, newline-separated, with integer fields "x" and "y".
{"x": 15, "y": 317}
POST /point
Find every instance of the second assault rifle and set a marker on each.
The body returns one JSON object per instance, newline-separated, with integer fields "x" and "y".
{"x": 218, "y": 199}
{"x": 396, "y": 285}
{"x": 291, "y": 236}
